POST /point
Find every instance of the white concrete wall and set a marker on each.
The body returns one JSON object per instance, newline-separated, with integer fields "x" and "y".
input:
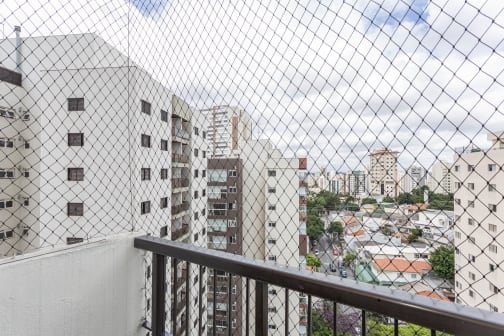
{"x": 89, "y": 289}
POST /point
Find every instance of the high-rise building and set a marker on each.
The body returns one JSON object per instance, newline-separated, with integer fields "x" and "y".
{"x": 383, "y": 173}
{"x": 93, "y": 147}
{"x": 228, "y": 129}
{"x": 225, "y": 232}
{"x": 441, "y": 178}
{"x": 479, "y": 226}
{"x": 414, "y": 177}
{"x": 357, "y": 183}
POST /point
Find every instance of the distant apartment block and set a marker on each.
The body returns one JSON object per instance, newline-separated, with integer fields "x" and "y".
{"x": 479, "y": 238}
{"x": 441, "y": 178}
{"x": 383, "y": 179}
{"x": 228, "y": 129}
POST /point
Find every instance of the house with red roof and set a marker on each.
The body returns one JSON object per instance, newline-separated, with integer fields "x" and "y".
{"x": 398, "y": 271}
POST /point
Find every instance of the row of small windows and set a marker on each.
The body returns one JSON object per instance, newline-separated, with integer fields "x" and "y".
{"x": 470, "y": 186}
{"x": 196, "y": 153}
{"x": 491, "y": 167}
{"x": 146, "y": 108}
{"x": 145, "y": 141}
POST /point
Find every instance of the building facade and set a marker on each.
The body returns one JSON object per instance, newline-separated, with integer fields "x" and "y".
{"x": 441, "y": 178}
{"x": 101, "y": 148}
{"x": 383, "y": 179}
{"x": 479, "y": 228}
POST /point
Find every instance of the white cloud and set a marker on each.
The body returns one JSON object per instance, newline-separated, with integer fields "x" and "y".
{"x": 315, "y": 76}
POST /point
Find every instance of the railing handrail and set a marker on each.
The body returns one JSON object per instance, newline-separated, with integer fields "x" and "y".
{"x": 435, "y": 314}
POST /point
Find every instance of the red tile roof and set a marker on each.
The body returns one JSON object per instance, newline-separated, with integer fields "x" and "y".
{"x": 433, "y": 295}
{"x": 402, "y": 265}
{"x": 358, "y": 233}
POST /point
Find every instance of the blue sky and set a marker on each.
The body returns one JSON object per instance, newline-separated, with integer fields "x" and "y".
{"x": 149, "y": 7}
{"x": 413, "y": 11}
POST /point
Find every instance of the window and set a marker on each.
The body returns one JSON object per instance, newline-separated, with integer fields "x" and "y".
{"x": 75, "y": 174}
{"x": 492, "y": 267}
{"x": 272, "y": 309}
{"x": 164, "y": 202}
{"x": 470, "y": 168}
{"x": 145, "y": 174}
{"x": 470, "y": 186}
{"x": 203, "y": 212}
{"x": 271, "y": 190}
{"x": 458, "y": 185}
{"x": 164, "y": 174}
{"x": 272, "y": 291}
{"x": 492, "y": 248}
{"x": 494, "y": 288}
{"x": 470, "y": 204}
{"x": 271, "y": 207}
{"x": 164, "y": 116}
{"x": 472, "y": 276}
{"x": 7, "y": 203}
{"x": 231, "y": 206}
{"x": 470, "y": 221}
{"x": 5, "y": 142}
{"x": 195, "y": 172}
{"x": 203, "y": 154}
{"x": 232, "y": 173}
{"x": 195, "y": 152}
{"x": 471, "y": 293}
{"x": 232, "y": 189}
{"x": 272, "y": 224}
{"x": 6, "y": 234}
{"x": 7, "y": 173}
{"x": 492, "y": 227}
{"x": 146, "y": 107}
{"x": 457, "y": 234}
{"x": 146, "y": 141}
{"x": 232, "y": 239}
{"x": 163, "y": 232}
{"x": 492, "y": 207}
{"x": 272, "y": 326}
{"x": 195, "y": 215}
{"x": 457, "y": 168}
{"x": 75, "y": 104}
{"x": 272, "y": 173}
{"x": 76, "y": 139}
{"x": 271, "y": 241}
{"x": 204, "y": 134}
{"x": 203, "y": 193}
{"x": 492, "y": 187}
{"x": 492, "y": 167}
{"x": 233, "y": 290}
{"x": 195, "y": 194}
{"x": 231, "y": 223}
{"x": 164, "y": 145}
{"x": 471, "y": 258}
{"x": 145, "y": 207}
{"x": 75, "y": 209}
{"x": 196, "y": 130}
{"x": 272, "y": 258}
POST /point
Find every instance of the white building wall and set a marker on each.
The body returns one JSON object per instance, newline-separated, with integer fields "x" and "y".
{"x": 441, "y": 179}
{"x": 89, "y": 289}
{"x": 479, "y": 231}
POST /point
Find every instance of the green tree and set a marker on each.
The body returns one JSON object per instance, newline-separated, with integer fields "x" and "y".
{"x": 412, "y": 238}
{"x": 442, "y": 260}
{"x": 313, "y": 261}
{"x": 320, "y": 327}
{"x": 368, "y": 200}
{"x": 417, "y": 232}
{"x": 388, "y": 199}
{"x": 352, "y": 207}
{"x": 314, "y": 227}
{"x": 336, "y": 227}
{"x": 349, "y": 257}
{"x": 405, "y": 198}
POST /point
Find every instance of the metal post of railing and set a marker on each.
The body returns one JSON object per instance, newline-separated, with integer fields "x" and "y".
{"x": 247, "y": 306}
{"x": 286, "y": 318}
{"x": 187, "y": 297}
{"x": 200, "y": 298}
{"x": 396, "y": 327}
{"x": 174, "y": 295}
{"x": 158, "y": 294}
{"x": 309, "y": 328}
{"x": 229, "y": 304}
{"x": 335, "y": 316}
{"x": 261, "y": 309}
{"x": 363, "y": 323}
{"x": 214, "y": 309}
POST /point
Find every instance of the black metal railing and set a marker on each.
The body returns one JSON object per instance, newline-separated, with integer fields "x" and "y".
{"x": 180, "y": 182}
{"x": 433, "y": 314}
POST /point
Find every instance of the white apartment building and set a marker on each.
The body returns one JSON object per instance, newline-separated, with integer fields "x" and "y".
{"x": 479, "y": 239}
{"x": 271, "y": 220}
{"x": 228, "y": 129}
{"x": 94, "y": 147}
{"x": 414, "y": 177}
{"x": 357, "y": 181}
{"x": 383, "y": 179}
{"x": 441, "y": 178}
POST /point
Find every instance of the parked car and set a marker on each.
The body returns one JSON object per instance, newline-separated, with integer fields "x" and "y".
{"x": 332, "y": 267}
{"x": 316, "y": 252}
{"x": 343, "y": 273}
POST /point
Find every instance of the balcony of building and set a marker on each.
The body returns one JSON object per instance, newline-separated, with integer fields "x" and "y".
{"x": 180, "y": 158}
{"x": 180, "y": 182}
{"x": 115, "y": 287}
{"x": 178, "y": 233}
{"x": 180, "y": 208}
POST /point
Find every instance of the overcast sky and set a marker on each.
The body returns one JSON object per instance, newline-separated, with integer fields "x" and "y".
{"x": 332, "y": 80}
